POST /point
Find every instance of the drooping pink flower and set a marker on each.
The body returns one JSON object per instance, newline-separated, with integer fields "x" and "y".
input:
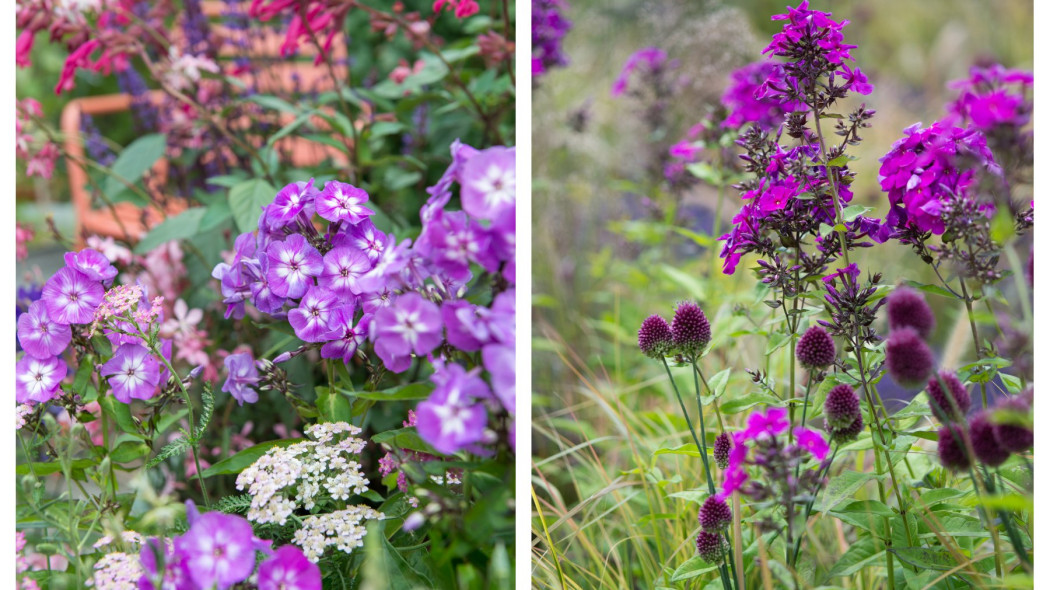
{"x": 461, "y": 8}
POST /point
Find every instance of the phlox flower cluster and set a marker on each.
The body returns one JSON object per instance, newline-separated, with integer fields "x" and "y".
{"x": 549, "y": 27}
{"x": 994, "y": 96}
{"x": 350, "y": 283}
{"x": 308, "y": 475}
{"x": 648, "y": 62}
{"x": 743, "y": 103}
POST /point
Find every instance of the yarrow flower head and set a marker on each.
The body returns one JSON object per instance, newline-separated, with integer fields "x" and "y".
{"x": 907, "y": 308}
{"x": 654, "y": 337}
{"x": 816, "y": 348}
{"x": 690, "y": 330}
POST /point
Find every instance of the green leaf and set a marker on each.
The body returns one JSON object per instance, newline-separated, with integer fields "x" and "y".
{"x": 934, "y": 289}
{"x": 412, "y": 391}
{"x": 697, "y": 496}
{"x": 384, "y": 567}
{"x": 207, "y": 407}
{"x": 859, "y": 555}
{"x": 332, "y": 406}
{"x": 693, "y": 567}
{"x": 840, "y": 161}
{"x": 128, "y": 451}
{"x": 688, "y": 449}
{"x": 215, "y": 215}
{"x": 840, "y": 488}
{"x": 238, "y": 462}
{"x": 403, "y": 438}
{"x": 854, "y": 211}
{"x": 120, "y": 412}
{"x": 921, "y": 557}
{"x": 273, "y": 103}
{"x": 247, "y": 200}
{"x": 175, "y": 447}
{"x": 181, "y": 227}
{"x": 132, "y": 164}
{"x": 41, "y": 468}
{"x": 745, "y": 402}
{"x": 718, "y": 385}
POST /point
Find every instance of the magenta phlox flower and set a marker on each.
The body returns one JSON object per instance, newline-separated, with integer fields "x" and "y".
{"x": 311, "y": 319}
{"x": 650, "y": 57}
{"x": 40, "y": 336}
{"x": 453, "y": 417}
{"x": 390, "y": 267}
{"x": 411, "y": 324}
{"x": 348, "y": 337}
{"x": 92, "y": 264}
{"x": 133, "y": 373}
{"x": 289, "y": 569}
{"x": 453, "y": 242}
{"x": 487, "y": 183}
{"x": 38, "y": 380}
{"x": 745, "y": 106}
{"x": 342, "y": 202}
{"x": 812, "y": 441}
{"x": 994, "y": 96}
{"x": 772, "y": 423}
{"x": 364, "y": 237}
{"x": 71, "y": 296}
{"x": 293, "y": 202}
{"x": 262, "y": 295}
{"x": 219, "y": 550}
{"x": 242, "y": 376}
{"x": 441, "y": 193}
{"x": 343, "y": 269}
{"x": 163, "y": 567}
{"x": 292, "y": 265}
{"x": 498, "y": 360}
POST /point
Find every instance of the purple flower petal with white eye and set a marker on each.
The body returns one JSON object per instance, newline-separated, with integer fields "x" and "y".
{"x": 263, "y": 297}
{"x": 499, "y": 362}
{"x": 311, "y": 319}
{"x": 453, "y": 417}
{"x": 343, "y": 268}
{"x": 293, "y": 263}
{"x": 366, "y": 238}
{"x": 340, "y": 201}
{"x": 133, "y": 373}
{"x": 92, "y": 263}
{"x": 487, "y": 182}
{"x": 453, "y": 242}
{"x": 410, "y": 324}
{"x": 219, "y": 550}
{"x": 71, "y": 297}
{"x": 37, "y": 380}
{"x": 388, "y": 269}
{"x": 348, "y": 336}
{"x": 374, "y": 301}
{"x": 242, "y": 376}
{"x": 40, "y": 336}
{"x": 291, "y": 202}
{"x": 289, "y": 569}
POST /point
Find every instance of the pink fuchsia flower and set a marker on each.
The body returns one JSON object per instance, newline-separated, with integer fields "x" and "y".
{"x": 92, "y": 264}
{"x": 488, "y": 181}
{"x": 461, "y": 8}
{"x": 219, "y": 550}
{"x": 409, "y": 325}
{"x": 453, "y": 417}
{"x": 293, "y": 264}
{"x": 348, "y": 337}
{"x": 340, "y": 201}
{"x": 311, "y": 320}
{"x": 242, "y": 375}
{"x": 812, "y": 441}
{"x": 133, "y": 373}
{"x": 71, "y": 296}
{"x": 37, "y": 380}
{"x": 342, "y": 270}
{"x": 289, "y": 569}
{"x": 40, "y": 336}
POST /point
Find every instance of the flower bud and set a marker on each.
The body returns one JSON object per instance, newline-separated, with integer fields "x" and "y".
{"x": 985, "y": 446}
{"x": 841, "y": 436}
{"x": 1016, "y": 438}
{"x": 654, "y": 337}
{"x": 951, "y": 447}
{"x": 715, "y": 515}
{"x": 906, "y": 308}
{"x": 690, "y": 330}
{"x": 908, "y": 358}
{"x": 816, "y": 348}
{"x": 939, "y": 401}
{"x": 711, "y": 547}
{"x": 841, "y": 407}
{"x": 723, "y": 444}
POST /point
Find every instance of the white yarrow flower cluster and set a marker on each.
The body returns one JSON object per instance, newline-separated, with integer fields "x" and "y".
{"x": 21, "y": 411}
{"x": 301, "y": 474}
{"x": 117, "y": 571}
{"x": 345, "y": 529}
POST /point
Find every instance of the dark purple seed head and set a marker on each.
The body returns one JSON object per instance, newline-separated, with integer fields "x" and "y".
{"x": 951, "y": 447}
{"x": 715, "y": 515}
{"x": 654, "y": 337}
{"x": 711, "y": 547}
{"x": 841, "y": 436}
{"x": 816, "y": 348}
{"x": 841, "y": 407}
{"x": 1013, "y": 435}
{"x": 985, "y": 446}
{"x": 723, "y": 444}
{"x": 908, "y": 357}
{"x": 941, "y": 403}
{"x": 907, "y": 308}
{"x": 690, "y": 330}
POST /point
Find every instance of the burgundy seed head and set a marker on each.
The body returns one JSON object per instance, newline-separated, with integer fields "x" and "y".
{"x": 908, "y": 358}
{"x": 715, "y": 515}
{"x": 841, "y": 436}
{"x": 841, "y": 407}
{"x": 951, "y": 447}
{"x": 939, "y": 401}
{"x": 711, "y": 547}
{"x": 985, "y": 446}
{"x": 906, "y": 308}
{"x": 816, "y": 348}
{"x": 690, "y": 330}
{"x": 723, "y": 444}
{"x": 1016, "y": 438}
{"x": 654, "y": 337}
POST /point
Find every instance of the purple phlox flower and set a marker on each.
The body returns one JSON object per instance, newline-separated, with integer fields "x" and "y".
{"x": 741, "y": 100}
{"x": 453, "y": 242}
{"x": 390, "y": 267}
{"x": 441, "y": 193}
{"x": 37, "y": 380}
{"x": 348, "y": 337}
{"x": 410, "y": 324}
{"x": 856, "y": 80}
{"x": 487, "y": 183}
{"x": 293, "y": 263}
{"x": 498, "y": 359}
{"x": 92, "y": 264}
{"x": 262, "y": 295}
{"x": 504, "y": 243}
{"x": 340, "y": 201}
{"x": 289, "y": 569}
{"x": 651, "y": 57}
{"x": 164, "y": 568}
{"x": 549, "y": 27}
{"x": 71, "y": 296}
{"x": 987, "y": 99}
{"x": 343, "y": 268}
{"x": 453, "y": 417}
{"x": 219, "y": 550}
{"x": 40, "y": 336}
{"x": 846, "y": 274}
{"x": 292, "y": 202}
{"x": 372, "y": 302}
{"x": 133, "y": 373}
{"x": 364, "y": 237}
{"x": 311, "y": 319}
{"x": 471, "y": 327}
{"x": 242, "y": 376}
{"x": 812, "y": 441}
{"x": 772, "y": 423}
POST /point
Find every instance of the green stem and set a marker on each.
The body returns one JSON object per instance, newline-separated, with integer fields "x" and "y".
{"x": 189, "y": 416}
{"x": 968, "y": 301}
{"x": 681, "y": 403}
{"x": 834, "y": 185}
